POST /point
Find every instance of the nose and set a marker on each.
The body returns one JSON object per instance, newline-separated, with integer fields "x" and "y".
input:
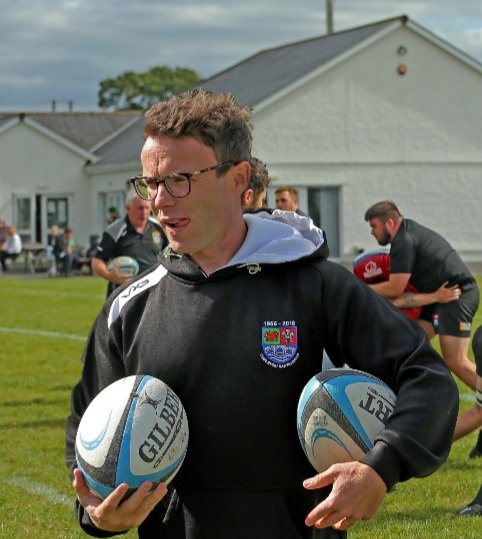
{"x": 163, "y": 198}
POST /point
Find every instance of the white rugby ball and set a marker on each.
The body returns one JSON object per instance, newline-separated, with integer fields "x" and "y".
{"x": 134, "y": 430}
{"x": 125, "y": 265}
{"x": 340, "y": 412}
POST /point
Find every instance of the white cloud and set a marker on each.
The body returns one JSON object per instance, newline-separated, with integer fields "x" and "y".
{"x": 63, "y": 49}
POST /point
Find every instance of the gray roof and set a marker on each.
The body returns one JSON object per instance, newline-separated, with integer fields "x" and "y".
{"x": 269, "y": 71}
{"x": 85, "y": 129}
{"x": 125, "y": 147}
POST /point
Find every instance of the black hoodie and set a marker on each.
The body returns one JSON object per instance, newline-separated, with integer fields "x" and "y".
{"x": 204, "y": 336}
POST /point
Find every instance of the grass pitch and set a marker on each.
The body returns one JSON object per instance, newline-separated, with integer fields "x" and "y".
{"x": 43, "y": 327}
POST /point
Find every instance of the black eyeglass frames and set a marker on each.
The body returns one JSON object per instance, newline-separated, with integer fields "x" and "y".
{"x": 177, "y": 184}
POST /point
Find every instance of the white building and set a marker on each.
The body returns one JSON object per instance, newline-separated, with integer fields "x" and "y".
{"x": 387, "y": 110}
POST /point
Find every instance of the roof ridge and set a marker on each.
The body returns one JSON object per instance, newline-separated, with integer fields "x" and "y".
{"x": 402, "y": 18}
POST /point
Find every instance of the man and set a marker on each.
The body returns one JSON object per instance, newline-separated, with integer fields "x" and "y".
{"x": 245, "y": 473}
{"x": 11, "y": 247}
{"x": 474, "y": 508}
{"x": 287, "y": 199}
{"x": 254, "y": 197}
{"x": 374, "y": 267}
{"x": 136, "y": 235}
{"x": 426, "y": 260}
{"x": 55, "y": 250}
{"x": 71, "y": 253}
{"x": 3, "y": 232}
{"x": 112, "y": 215}
{"x": 421, "y": 257}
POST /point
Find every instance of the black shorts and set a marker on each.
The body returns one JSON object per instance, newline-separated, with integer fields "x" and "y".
{"x": 454, "y": 318}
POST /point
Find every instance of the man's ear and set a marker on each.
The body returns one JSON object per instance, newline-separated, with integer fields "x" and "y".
{"x": 247, "y": 197}
{"x": 391, "y": 225}
{"x": 242, "y": 175}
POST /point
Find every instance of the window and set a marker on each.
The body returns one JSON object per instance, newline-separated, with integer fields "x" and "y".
{"x": 323, "y": 208}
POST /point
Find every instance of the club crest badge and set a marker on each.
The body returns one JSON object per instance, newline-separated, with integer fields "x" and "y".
{"x": 156, "y": 237}
{"x": 280, "y": 343}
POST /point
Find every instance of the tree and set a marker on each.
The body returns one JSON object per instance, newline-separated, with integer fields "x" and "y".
{"x": 132, "y": 90}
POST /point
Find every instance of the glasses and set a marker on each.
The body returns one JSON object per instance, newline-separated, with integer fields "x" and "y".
{"x": 177, "y": 184}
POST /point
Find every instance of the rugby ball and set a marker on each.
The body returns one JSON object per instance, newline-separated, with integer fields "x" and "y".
{"x": 340, "y": 412}
{"x": 134, "y": 430}
{"x": 125, "y": 265}
{"x": 373, "y": 266}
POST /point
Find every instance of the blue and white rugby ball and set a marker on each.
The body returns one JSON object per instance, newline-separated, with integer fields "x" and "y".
{"x": 125, "y": 265}
{"x": 134, "y": 430}
{"x": 340, "y": 412}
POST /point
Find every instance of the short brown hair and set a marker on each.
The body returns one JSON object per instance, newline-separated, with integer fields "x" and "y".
{"x": 259, "y": 179}
{"x": 291, "y": 190}
{"x": 384, "y": 210}
{"x": 217, "y": 120}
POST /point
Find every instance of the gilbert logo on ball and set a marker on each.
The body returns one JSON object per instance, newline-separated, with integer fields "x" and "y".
{"x": 340, "y": 413}
{"x": 134, "y": 430}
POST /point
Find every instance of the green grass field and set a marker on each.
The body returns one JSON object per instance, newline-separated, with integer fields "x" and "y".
{"x": 43, "y": 325}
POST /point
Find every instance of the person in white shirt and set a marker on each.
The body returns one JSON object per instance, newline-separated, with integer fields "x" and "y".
{"x": 11, "y": 248}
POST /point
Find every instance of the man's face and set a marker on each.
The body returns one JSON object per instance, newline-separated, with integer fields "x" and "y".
{"x": 208, "y": 223}
{"x": 138, "y": 212}
{"x": 379, "y": 231}
{"x": 285, "y": 201}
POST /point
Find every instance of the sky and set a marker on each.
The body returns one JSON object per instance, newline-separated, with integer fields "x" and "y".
{"x": 61, "y": 50}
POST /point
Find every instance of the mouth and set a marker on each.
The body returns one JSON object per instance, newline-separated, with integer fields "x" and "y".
{"x": 174, "y": 224}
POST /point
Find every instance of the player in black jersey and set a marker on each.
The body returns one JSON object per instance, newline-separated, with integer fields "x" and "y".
{"x": 425, "y": 259}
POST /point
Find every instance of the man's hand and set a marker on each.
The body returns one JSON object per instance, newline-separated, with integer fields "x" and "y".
{"x": 357, "y": 493}
{"x": 112, "y": 514}
{"x": 446, "y": 294}
{"x": 117, "y": 277}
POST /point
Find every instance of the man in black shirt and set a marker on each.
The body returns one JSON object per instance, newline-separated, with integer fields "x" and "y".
{"x": 136, "y": 236}
{"x": 198, "y": 321}
{"x": 426, "y": 260}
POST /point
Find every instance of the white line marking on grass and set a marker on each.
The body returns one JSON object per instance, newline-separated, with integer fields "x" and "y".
{"x": 39, "y": 489}
{"x": 69, "y": 336}
{"x": 54, "y": 293}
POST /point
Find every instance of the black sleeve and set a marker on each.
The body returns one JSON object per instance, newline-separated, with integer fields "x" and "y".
{"x": 365, "y": 331}
{"x": 402, "y": 252}
{"x": 106, "y": 250}
{"x": 102, "y": 365}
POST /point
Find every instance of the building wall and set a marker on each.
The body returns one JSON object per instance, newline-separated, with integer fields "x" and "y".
{"x": 376, "y": 134}
{"x": 34, "y": 164}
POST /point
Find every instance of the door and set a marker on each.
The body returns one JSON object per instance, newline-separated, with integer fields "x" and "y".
{"x": 24, "y": 218}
